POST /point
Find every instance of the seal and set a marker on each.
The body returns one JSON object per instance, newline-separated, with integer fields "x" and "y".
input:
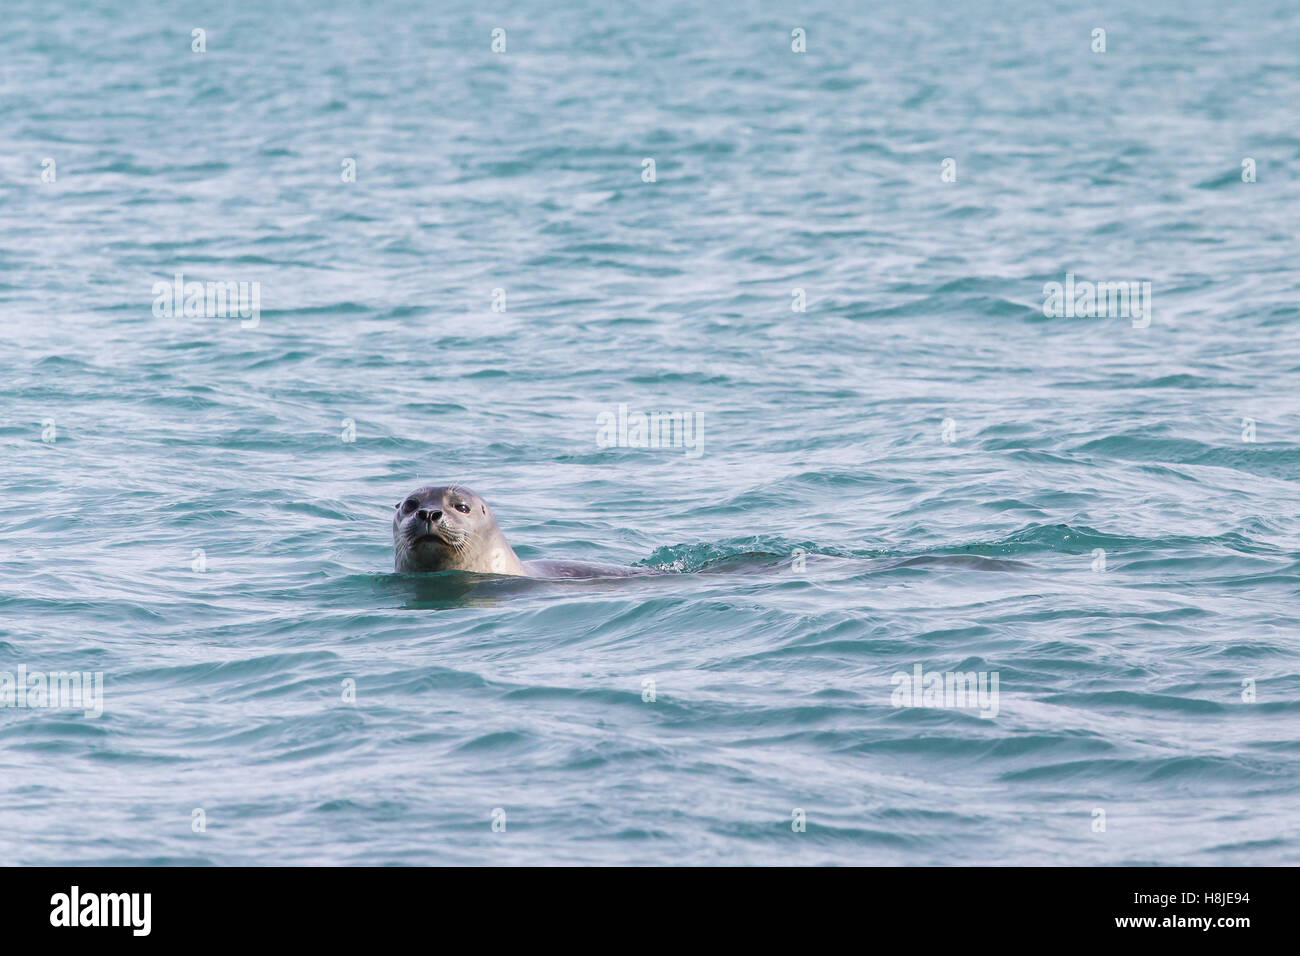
{"x": 450, "y": 528}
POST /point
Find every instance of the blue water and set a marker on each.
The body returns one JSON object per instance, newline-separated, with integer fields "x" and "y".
{"x": 138, "y": 447}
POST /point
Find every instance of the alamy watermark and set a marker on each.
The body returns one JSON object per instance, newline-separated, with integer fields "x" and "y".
{"x": 1093, "y": 300}
{"x": 209, "y": 300}
{"x": 955, "y": 690}
{"x": 76, "y": 908}
{"x": 58, "y": 690}
{"x": 624, "y": 429}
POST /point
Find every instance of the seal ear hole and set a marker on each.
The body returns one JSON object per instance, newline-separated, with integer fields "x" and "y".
{"x": 483, "y": 508}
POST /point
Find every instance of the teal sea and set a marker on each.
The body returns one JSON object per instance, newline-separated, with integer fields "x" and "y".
{"x": 899, "y": 461}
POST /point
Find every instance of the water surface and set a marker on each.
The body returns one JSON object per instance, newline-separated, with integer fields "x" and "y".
{"x": 826, "y": 537}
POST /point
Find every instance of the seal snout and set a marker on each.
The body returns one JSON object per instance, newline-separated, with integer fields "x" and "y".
{"x": 427, "y": 527}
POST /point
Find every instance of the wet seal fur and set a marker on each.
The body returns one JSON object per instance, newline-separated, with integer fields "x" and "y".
{"x": 450, "y": 528}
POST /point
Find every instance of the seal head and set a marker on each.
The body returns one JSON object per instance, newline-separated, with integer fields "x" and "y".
{"x": 449, "y": 528}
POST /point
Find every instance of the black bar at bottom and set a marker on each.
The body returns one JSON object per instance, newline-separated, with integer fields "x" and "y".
{"x": 650, "y": 907}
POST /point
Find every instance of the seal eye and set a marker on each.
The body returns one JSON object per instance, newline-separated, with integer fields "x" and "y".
{"x": 409, "y": 504}
{"x": 462, "y": 507}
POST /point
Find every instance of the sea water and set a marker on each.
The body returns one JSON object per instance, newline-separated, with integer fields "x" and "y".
{"x": 763, "y": 296}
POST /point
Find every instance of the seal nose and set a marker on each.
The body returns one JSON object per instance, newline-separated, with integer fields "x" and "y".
{"x": 425, "y": 515}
